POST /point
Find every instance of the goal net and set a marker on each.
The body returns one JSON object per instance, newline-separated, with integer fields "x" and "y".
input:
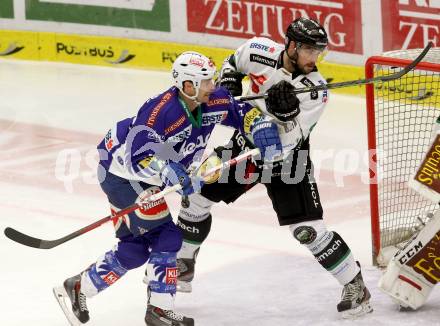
{"x": 401, "y": 117}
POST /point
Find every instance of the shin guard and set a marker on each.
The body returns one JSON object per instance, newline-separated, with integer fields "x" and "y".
{"x": 100, "y": 275}
{"x": 329, "y": 249}
{"x": 162, "y": 274}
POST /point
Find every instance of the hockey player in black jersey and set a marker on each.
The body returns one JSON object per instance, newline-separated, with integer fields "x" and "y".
{"x": 277, "y": 69}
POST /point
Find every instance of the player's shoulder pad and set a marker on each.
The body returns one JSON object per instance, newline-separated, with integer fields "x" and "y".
{"x": 315, "y": 77}
{"x": 262, "y": 45}
{"x": 260, "y": 52}
{"x": 220, "y": 97}
{"x": 156, "y": 109}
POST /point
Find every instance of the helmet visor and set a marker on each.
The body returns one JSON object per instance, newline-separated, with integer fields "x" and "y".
{"x": 312, "y": 50}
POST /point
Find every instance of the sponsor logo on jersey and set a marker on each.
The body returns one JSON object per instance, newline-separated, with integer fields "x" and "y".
{"x": 307, "y": 82}
{"x": 263, "y": 47}
{"x": 171, "y": 275}
{"x": 175, "y": 125}
{"x": 153, "y": 135}
{"x": 155, "y": 112}
{"x": 263, "y": 60}
{"x": 189, "y": 148}
{"x": 249, "y": 119}
{"x": 109, "y": 141}
{"x": 213, "y": 117}
{"x": 218, "y": 101}
{"x": 180, "y": 136}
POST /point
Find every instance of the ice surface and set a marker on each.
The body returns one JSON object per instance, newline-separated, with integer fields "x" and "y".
{"x": 250, "y": 271}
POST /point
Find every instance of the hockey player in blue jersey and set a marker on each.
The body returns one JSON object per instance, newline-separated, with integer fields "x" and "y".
{"x": 139, "y": 156}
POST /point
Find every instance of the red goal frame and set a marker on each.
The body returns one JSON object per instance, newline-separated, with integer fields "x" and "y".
{"x": 369, "y": 73}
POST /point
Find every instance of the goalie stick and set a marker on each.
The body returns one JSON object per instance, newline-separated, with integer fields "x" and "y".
{"x": 387, "y": 78}
{"x": 29, "y": 241}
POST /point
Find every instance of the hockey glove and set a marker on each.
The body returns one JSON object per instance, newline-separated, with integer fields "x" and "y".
{"x": 232, "y": 81}
{"x": 174, "y": 173}
{"x": 282, "y": 102}
{"x": 267, "y": 140}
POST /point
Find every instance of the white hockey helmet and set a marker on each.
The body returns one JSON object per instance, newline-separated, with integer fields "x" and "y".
{"x": 194, "y": 67}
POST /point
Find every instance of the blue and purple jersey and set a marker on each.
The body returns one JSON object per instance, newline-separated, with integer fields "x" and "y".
{"x": 164, "y": 130}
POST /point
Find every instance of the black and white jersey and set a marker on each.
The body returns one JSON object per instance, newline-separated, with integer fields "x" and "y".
{"x": 261, "y": 60}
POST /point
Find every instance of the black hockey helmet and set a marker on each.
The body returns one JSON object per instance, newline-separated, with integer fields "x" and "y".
{"x": 307, "y": 31}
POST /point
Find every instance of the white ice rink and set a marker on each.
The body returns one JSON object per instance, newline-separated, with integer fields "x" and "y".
{"x": 250, "y": 271}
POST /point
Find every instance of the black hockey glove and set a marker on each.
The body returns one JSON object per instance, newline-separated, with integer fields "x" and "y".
{"x": 282, "y": 102}
{"x": 232, "y": 81}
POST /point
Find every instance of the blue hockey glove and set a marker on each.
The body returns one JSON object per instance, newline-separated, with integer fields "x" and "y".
{"x": 267, "y": 140}
{"x": 175, "y": 173}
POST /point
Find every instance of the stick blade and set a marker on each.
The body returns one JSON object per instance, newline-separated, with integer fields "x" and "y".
{"x": 22, "y": 238}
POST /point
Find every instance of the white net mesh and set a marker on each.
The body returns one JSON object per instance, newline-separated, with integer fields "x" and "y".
{"x": 405, "y": 113}
{"x": 433, "y": 56}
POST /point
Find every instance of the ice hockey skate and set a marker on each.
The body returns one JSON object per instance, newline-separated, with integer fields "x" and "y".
{"x": 156, "y": 316}
{"x": 72, "y": 301}
{"x": 355, "y": 300}
{"x": 186, "y": 268}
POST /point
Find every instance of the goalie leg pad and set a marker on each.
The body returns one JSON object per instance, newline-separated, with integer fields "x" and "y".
{"x": 414, "y": 270}
{"x": 405, "y": 288}
{"x": 329, "y": 249}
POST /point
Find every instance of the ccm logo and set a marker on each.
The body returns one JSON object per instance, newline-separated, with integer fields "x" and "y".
{"x": 411, "y": 252}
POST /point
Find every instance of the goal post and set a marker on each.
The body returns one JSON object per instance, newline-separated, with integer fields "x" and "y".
{"x": 401, "y": 116}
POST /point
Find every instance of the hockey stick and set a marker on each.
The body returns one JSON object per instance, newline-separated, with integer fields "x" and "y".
{"x": 394, "y": 76}
{"x": 29, "y": 241}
